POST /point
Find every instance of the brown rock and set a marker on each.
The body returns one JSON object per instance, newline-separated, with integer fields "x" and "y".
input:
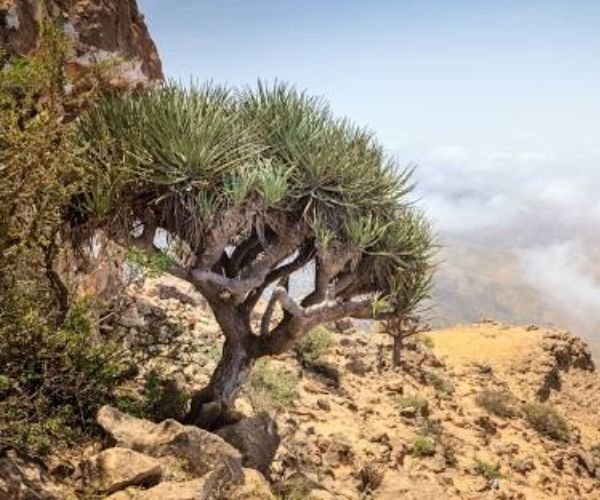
{"x": 486, "y": 424}
{"x": 588, "y": 461}
{"x": 323, "y": 404}
{"x": 117, "y": 468}
{"x": 256, "y": 438}
{"x": 523, "y": 466}
{"x": 340, "y": 452}
{"x": 202, "y": 450}
{"x": 255, "y": 487}
{"x": 196, "y": 489}
{"x": 358, "y": 366}
{"x": 408, "y": 412}
{"x": 98, "y": 29}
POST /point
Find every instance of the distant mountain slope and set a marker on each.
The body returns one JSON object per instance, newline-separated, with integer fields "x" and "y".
{"x": 476, "y": 281}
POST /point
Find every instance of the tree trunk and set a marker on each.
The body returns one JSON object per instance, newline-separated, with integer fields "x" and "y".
{"x": 397, "y": 350}
{"x": 212, "y": 407}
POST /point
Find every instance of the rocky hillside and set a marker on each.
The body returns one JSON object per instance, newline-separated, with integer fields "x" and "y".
{"x": 481, "y": 411}
{"x": 99, "y": 31}
{"x": 490, "y": 279}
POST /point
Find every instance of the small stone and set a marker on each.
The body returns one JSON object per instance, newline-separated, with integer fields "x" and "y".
{"x": 408, "y": 412}
{"x": 559, "y": 461}
{"x": 486, "y": 424}
{"x": 395, "y": 388}
{"x": 323, "y": 404}
{"x": 399, "y": 453}
{"x": 523, "y": 466}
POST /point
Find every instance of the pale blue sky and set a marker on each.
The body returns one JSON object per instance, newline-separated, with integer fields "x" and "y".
{"x": 504, "y": 73}
{"x": 497, "y": 101}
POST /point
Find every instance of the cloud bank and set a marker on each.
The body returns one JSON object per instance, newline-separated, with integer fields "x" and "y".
{"x": 542, "y": 206}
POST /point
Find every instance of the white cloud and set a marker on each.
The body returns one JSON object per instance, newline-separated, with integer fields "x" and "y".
{"x": 559, "y": 272}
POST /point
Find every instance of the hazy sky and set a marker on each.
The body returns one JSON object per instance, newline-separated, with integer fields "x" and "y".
{"x": 497, "y": 101}
{"x": 482, "y": 94}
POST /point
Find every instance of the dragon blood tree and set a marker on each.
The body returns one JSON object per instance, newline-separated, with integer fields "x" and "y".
{"x": 255, "y": 186}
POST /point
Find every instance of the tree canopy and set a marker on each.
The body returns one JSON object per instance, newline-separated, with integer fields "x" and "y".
{"x": 255, "y": 185}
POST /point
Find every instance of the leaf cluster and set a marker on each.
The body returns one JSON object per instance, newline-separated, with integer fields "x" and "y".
{"x": 185, "y": 156}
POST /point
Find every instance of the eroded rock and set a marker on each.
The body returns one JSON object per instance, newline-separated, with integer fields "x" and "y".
{"x": 196, "y": 489}
{"x": 114, "y": 469}
{"x": 201, "y": 450}
{"x": 256, "y": 438}
{"x": 99, "y": 31}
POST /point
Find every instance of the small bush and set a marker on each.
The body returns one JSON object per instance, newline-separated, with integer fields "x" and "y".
{"x": 163, "y": 398}
{"x": 431, "y": 427}
{"x": 487, "y": 470}
{"x": 547, "y": 421}
{"x": 426, "y": 340}
{"x": 53, "y": 376}
{"x": 423, "y": 446}
{"x": 370, "y": 476}
{"x": 271, "y": 387}
{"x": 418, "y": 403}
{"x": 441, "y": 385}
{"x": 298, "y": 488}
{"x": 315, "y": 345}
{"x": 499, "y": 403}
{"x": 213, "y": 352}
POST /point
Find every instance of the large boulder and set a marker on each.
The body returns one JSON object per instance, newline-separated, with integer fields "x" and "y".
{"x": 201, "y": 450}
{"x": 117, "y": 468}
{"x": 256, "y": 438}
{"x": 209, "y": 487}
{"x": 23, "y": 478}
{"x": 196, "y": 489}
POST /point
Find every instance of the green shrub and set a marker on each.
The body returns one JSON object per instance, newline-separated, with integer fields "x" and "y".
{"x": 499, "y": 403}
{"x": 315, "y": 345}
{"x": 213, "y": 352}
{"x": 148, "y": 266}
{"x": 426, "y": 340}
{"x": 417, "y": 402}
{"x": 487, "y": 470}
{"x": 163, "y": 398}
{"x": 431, "y": 427}
{"x": 547, "y": 421}
{"x": 441, "y": 385}
{"x": 298, "y": 488}
{"x": 271, "y": 387}
{"x": 423, "y": 446}
{"x": 55, "y": 370}
{"x": 55, "y": 377}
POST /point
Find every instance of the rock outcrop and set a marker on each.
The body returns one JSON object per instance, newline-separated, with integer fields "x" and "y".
{"x": 165, "y": 461}
{"x": 256, "y": 438}
{"x": 201, "y": 450}
{"x": 98, "y": 30}
{"x": 117, "y": 468}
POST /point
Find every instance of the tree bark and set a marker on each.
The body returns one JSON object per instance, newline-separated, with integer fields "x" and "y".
{"x": 397, "y": 350}
{"x": 212, "y": 407}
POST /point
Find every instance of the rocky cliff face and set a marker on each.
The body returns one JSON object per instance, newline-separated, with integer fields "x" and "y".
{"x": 99, "y": 30}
